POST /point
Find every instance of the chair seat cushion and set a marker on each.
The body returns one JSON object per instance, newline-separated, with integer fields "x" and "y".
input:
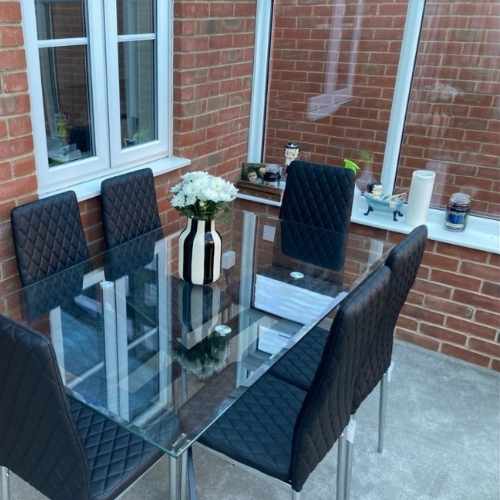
{"x": 258, "y": 429}
{"x": 116, "y": 457}
{"x": 299, "y": 365}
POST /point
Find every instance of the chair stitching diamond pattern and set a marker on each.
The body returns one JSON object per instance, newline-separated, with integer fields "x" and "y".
{"x": 38, "y": 441}
{"x": 318, "y": 195}
{"x": 404, "y": 262}
{"x": 327, "y": 407}
{"x": 58, "y": 445}
{"x": 299, "y": 365}
{"x": 258, "y": 428}
{"x": 129, "y": 207}
{"x": 112, "y": 452}
{"x": 48, "y": 236}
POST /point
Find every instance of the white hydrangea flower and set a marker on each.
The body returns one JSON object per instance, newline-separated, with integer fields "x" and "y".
{"x": 201, "y": 191}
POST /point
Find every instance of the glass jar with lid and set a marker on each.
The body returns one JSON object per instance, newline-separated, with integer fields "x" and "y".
{"x": 457, "y": 212}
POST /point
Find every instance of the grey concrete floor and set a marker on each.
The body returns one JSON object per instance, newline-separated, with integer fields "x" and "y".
{"x": 443, "y": 442}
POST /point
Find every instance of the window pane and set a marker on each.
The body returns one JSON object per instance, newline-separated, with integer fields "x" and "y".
{"x": 66, "y": 99}
{"x": 331, "y": 83}
{"x": 137, "y": 92}
{"x": 453, "y": 120}
{"x": 135, "y": 16}
{"x": 60, "y": 18}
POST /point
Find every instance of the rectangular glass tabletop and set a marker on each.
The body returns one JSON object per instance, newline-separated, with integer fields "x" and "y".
{"x": 165, "y": 358}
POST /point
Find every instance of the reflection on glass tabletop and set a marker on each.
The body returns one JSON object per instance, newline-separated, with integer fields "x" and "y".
{"x": 165, "y": 358}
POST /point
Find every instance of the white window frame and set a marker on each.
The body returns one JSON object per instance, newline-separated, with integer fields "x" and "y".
{"x": 402, "y": 90}
{"x": 110, "y": 159}
{"x": 159, "y": 147}
{"x": 483, "y": 233}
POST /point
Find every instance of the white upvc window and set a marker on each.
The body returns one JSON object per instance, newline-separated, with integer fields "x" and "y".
{"x": 101, "y": 86}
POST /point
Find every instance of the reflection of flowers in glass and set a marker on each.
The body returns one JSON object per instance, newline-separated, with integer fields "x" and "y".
{"x": 206, "y": 358}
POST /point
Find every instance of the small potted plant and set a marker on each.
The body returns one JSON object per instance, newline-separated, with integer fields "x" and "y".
{"x": 200, "y": 196}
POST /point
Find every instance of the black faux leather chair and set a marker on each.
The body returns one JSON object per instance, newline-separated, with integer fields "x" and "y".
{"x": 129, "y": 207}
{"x": 404, "y": 262}
{"x": 55, "y": 443}
{"x": 318, "y": 195}
{"x": 300, "y": 364}
{"x": 285, "y": 431}
{"x": 48, "y": 237}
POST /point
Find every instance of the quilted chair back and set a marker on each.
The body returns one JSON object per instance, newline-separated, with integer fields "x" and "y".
{"x": 38, "y": 440}
{"x": 327, "y": 407}
{"x": 129, "y": 207}
{"x": 403, "y": 261}
{"x": 131, "y": 256}
{"x": 58, "y": 290}
{"x": 318, "y": 195}
{"x": 48, "y": 237}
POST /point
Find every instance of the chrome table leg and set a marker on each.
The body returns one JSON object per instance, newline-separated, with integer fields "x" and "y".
{"x": 182, "y": 477}
{"x": 191, "y": 476}
{"x": 5, "y": 474}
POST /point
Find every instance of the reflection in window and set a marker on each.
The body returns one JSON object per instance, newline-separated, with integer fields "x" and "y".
{"x": 135, "y": 16}
{"x": 137, "y": 92}
{"x": 331, "y": 81}
{"x": 58, "y": 19}
{"x": 67, "y": 103}
{"x": 453, "y": 119}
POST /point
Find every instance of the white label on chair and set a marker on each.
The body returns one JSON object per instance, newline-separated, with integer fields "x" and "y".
{"x": 350, "y": 431}
{"x": 389, "y": 372}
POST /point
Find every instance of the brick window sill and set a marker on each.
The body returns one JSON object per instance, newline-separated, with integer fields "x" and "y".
{"x": 481, "y": 233}
{"x": 92, "y": 188}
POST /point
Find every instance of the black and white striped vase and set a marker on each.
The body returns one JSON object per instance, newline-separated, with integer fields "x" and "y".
{"x": 200, "y": 250}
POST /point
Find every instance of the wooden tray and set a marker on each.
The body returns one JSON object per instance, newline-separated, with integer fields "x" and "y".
{"x": 261, "y": 190}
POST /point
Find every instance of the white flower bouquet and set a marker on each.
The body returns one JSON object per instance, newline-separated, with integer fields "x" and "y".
{"x": 201, "y": 195}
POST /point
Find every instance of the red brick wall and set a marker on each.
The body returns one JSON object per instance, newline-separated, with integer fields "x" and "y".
{"x": 214, "y": 63}
{"x": 453, "y": 123}
{"x": 454, "y": 307}
{"x": 17, "y": 177}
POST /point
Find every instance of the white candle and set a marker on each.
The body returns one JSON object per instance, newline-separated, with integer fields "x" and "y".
{"x": 419, "y": 201}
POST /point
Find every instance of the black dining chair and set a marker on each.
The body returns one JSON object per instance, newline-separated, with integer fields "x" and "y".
{"x": 404, "y": 262}
{"x": 129, "y": 207}
{"x": 48, "y": 237}
{"x": 318, "y": 195}
{"x": 283, "y": 430}
{"x": 300, "y": 364}
{"x": 57, "y": 444}
{"x": 375, "y": 368}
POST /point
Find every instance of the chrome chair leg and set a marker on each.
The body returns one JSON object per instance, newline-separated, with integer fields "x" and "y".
{"x": 350, "y": 435}
{"x": 382, "y": 410}
{"x": 341, "y": 467}
{"x": 5, "y": 475}
{"x": 295, "y": 495}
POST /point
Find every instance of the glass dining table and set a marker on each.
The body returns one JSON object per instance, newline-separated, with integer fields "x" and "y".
{"x": 164, "y": 358}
